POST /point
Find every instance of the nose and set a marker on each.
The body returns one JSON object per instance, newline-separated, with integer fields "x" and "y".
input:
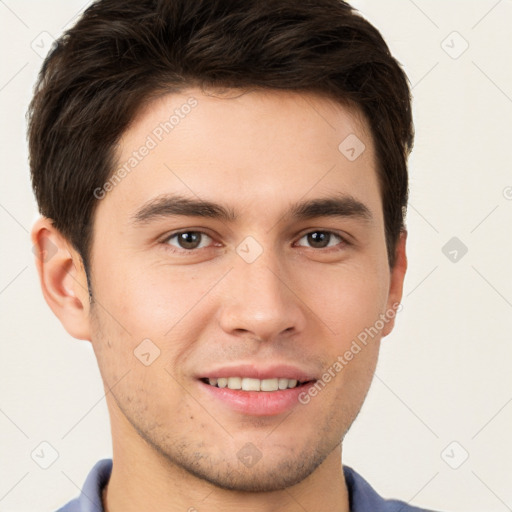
{"x": 259, "y": 300}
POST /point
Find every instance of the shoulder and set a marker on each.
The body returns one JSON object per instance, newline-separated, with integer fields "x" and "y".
{"x": 90, "y": 497}
{"x": 363, "y": 498}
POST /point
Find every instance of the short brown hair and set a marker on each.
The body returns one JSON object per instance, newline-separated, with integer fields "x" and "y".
{"x": 122, "y": 52}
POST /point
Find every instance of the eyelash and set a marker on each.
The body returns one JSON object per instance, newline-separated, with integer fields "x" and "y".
{"x": 344, "y": 242}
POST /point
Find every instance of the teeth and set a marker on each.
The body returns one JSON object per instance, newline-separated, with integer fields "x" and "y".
{"x": 248, "y": 384}
{"x": 235, "y": 383}
{"x": 251, "y": 384}
{"x": 282, "y": 383}
{"x": 269, "y": 385}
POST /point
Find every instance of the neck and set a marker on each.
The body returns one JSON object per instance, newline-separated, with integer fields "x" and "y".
{"x": 143, "y": 479}
{"x": 152, "y": 488}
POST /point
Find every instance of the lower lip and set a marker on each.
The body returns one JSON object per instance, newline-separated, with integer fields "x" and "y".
{"x": 258, "y": 403}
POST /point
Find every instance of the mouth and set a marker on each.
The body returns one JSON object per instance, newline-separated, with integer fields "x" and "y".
{"x": 251, "y": 392}
{"x": 259, "y": 385}
{"x": 256, "y": 390}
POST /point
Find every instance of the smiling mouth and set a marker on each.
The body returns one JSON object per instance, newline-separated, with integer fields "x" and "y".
{"x": 249, "y": 384}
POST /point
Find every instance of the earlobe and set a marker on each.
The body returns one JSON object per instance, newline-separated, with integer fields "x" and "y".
{"x": 396, "y": 283}
{"x": 62, "y": 278}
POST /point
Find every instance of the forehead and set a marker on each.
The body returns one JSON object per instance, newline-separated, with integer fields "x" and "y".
{"x": 255, "y": 151}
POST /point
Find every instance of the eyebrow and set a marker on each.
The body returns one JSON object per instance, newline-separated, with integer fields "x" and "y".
{"x": 342, "y": 205}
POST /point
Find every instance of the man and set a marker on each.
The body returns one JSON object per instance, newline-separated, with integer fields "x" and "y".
{"x": 223, "y": 187}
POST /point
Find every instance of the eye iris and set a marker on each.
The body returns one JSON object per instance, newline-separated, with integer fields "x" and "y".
{"x": 319, "y": 239}
{"x": 189, "y": 240}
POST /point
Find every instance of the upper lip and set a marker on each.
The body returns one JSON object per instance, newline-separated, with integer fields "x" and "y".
{"x": 253, "y": 371}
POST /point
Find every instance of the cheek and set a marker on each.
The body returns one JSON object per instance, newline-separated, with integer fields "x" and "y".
{"x": 347, "y": 298}
{"x": 149, "y": 315}
{"x": 151, "y": 300}
{"x": 139, "y": 369}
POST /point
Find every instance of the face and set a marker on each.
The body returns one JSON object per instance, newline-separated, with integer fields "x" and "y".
{"x": 269, "y": 280}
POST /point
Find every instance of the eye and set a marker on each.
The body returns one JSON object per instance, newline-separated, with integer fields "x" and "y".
{"x": 322, "y": 239}
{"x": 189, "y": 240}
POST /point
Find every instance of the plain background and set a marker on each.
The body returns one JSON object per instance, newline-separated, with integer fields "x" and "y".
{"x": 443, "y": 388}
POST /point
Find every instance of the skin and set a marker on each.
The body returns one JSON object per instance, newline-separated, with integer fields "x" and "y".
{"x": 174, "y": 447}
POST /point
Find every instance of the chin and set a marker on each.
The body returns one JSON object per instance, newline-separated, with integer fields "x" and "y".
{"x": 266, "y": 478}
{"x": 272, "y": 469}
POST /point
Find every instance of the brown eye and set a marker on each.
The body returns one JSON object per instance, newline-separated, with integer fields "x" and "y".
{"x": 189, "y": 240}
{"x": 321, "y": 239}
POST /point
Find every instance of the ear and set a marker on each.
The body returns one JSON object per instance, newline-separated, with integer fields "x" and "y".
{"x": 396, "y": 284}
{"x": 62, "y": 277}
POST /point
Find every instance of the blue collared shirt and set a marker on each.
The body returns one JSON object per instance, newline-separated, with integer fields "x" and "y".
{"x": 361, "y": 495}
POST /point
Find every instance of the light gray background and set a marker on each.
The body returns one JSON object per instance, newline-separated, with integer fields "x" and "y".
{"x": 444, "y": 373}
